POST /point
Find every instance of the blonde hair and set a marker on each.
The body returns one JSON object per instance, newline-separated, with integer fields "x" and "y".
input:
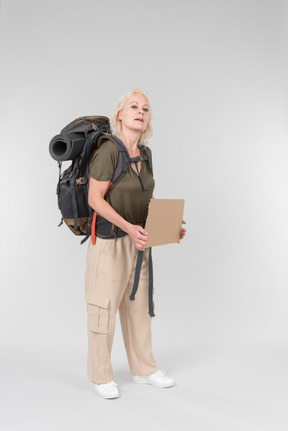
{"x": 115, "y": 123}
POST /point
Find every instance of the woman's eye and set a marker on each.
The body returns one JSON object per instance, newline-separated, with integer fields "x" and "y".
{"x": 136, "y": 107}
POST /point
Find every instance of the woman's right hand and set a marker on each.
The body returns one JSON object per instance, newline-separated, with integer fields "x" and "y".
{"x": 139, "y": 236}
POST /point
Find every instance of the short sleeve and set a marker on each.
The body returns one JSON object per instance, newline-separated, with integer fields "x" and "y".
{"x": 104, "y": 162}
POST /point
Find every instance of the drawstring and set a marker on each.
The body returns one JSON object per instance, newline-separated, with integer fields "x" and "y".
{"x": 136, "y": 164}
{"x": 136, "y": 160}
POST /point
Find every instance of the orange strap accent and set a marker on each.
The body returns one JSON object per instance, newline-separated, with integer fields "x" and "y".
{"x": 110, "y": 184}
{"x": 93, "y": 226}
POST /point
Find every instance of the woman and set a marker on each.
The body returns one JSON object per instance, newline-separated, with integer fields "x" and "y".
{"x": 111, "y": 263}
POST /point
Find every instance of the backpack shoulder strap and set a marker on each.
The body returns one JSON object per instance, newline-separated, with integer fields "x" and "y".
{"x": 123, "y": 156}
{"x": 146, "y": 152}
{"x": 122, "y": 159}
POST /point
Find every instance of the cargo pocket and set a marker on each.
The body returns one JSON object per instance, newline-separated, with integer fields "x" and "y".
{"x": 98, "y": 313}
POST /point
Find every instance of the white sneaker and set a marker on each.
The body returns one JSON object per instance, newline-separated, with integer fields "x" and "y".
{"x": 158, "y": 379}
{"x": 106, "y": 390}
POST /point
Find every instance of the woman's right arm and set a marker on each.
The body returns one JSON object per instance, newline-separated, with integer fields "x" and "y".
{"x": 96, "y": 194}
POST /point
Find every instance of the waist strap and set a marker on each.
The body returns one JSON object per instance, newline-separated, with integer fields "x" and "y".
{"x": 136, "y": 280}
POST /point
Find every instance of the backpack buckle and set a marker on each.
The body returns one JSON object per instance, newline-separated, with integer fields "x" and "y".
{"x": 81, "y": 181}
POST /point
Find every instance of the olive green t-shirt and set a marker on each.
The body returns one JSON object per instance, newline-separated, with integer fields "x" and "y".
{"x": 127, "y": 198}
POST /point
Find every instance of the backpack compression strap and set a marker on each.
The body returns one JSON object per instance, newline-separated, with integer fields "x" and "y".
{"x": 136, "y": 280}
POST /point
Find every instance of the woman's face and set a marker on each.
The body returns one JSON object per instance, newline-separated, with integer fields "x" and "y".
{"x": 135, "y": 114}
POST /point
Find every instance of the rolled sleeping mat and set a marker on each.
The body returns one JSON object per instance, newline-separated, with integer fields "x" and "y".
{"x": 66, "y": 147}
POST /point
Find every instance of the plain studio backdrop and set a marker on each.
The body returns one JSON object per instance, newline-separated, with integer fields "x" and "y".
{"x": 216, "y": 73}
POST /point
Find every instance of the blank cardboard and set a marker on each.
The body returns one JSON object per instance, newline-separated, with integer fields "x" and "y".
{"x": 164, "y": 221}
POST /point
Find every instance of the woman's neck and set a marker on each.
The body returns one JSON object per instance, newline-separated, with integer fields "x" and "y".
{"x": 130, "y": 139}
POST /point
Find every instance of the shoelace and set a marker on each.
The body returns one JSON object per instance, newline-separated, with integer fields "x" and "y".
{"x": 112, "y": 384}
{"x": 160, "y": 373}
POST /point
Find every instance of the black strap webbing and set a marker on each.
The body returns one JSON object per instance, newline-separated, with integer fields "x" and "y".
{"x": 124, "y": 161}
{"x": 73, "y": 196}
{"x": 150, "y": 291}
{"x": 145, "y": 152}
{"x": 136, "y": 280}
{"x": 60, "y": 167}
{"x": 137, "y": 274}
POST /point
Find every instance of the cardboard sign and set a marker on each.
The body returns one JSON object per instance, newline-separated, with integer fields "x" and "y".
{"x": 164, "y": 221}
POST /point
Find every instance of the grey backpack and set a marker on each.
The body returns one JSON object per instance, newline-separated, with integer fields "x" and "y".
{"x": 77, "y": 142}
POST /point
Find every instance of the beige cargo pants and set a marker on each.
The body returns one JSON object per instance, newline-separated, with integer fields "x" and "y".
{"x": 109, "y": 279}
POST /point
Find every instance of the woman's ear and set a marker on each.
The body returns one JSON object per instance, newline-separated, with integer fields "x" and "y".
{"x": 119, "y": 115}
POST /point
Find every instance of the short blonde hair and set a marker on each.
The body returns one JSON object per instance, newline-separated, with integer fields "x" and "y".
{"x": 115, "y": 123}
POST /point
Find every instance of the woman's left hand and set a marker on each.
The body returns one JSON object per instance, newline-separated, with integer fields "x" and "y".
{"x": 182, "y": 231}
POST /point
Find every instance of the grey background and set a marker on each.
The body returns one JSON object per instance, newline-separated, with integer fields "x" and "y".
{"x": 216, "y": 74}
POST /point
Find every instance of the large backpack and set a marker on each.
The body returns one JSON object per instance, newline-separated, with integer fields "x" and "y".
{"x": 77, "y": 142}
